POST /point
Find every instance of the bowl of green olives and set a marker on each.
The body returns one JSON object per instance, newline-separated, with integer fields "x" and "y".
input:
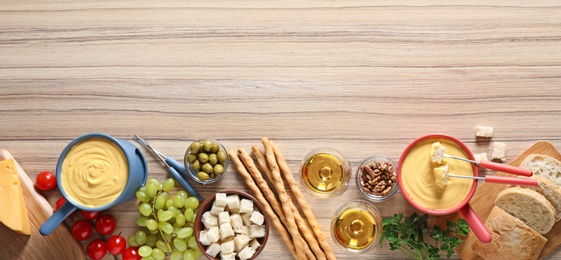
{"x": 206, "y": 161}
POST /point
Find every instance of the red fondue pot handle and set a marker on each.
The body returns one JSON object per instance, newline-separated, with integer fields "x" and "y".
{"x": 475, "y": 224}
{"x": 506, "y": 168}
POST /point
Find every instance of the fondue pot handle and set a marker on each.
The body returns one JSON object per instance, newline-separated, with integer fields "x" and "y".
{"x": 506, "y": 168}
{"x": 475, "y": 224}
{"x": 60, "y": 215}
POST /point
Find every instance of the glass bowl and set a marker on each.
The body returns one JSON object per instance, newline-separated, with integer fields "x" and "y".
{"x": 367, "y": 183}
{"x": 325, "y": 172}
{"x": 212, "y": 170}
{"x": 356, "y": 227}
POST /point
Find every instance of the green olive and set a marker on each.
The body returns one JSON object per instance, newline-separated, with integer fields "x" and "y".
{"x": 203, "y": 157}
{"x": 212, "y": 159}
{"x": 207, "y": 145}
{"x": 203, "y": 176}
{"x": 215, "y": 148}
{"x": 196, "y": 165}
{"x": 194, "y": 148}
{"x": 221, "y": 156}
{"x": 218, "y": 169}
{"x": 207, "y": 168}
{"x": 191, "y": 158}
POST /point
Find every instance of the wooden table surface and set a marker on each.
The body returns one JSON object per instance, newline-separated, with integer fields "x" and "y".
{"x": 363, "y": 77}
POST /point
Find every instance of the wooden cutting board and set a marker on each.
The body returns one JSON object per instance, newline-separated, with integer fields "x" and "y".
{"x": 484, "y": 200}
{"x": 58, "y": 245}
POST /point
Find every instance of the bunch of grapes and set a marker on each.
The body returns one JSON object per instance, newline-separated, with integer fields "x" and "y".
{"x": 166, "y": 222}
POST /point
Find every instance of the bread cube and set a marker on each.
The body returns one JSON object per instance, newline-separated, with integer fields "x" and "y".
{"x": 233, "y": 202}
{"x": 257, "y": 218}
{"x": 242, "y": 230}
{"x": 230, "y": 256}
{"x": 246, "y": 218}
{"x": 227, "y": 247}
{"x": 240, "y": 241}
{"x": 223, "y": 217}
{"x": 499, "y": 152}
{"x": 209, "y": 220}
{"x": 220, "y": 199}
{"x": 213, "y": 234}
{"x": 256, "y": 231}
{"x": 480, "y": 157}
{"x": 213, "y": 249}
{"x": 254, "y": 244}
{"x": 215, "y": 210}
{"x": 236, "y": 221}
{"x": 246, "y": 253}
{"x": 484, "y": 131}
{"x": 203, "y": 238}
{"x": 246, "y": 206}
{"x": 226, "y": 230}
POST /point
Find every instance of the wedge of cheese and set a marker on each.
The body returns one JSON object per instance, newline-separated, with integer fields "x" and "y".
{"x": 13, "y": 212}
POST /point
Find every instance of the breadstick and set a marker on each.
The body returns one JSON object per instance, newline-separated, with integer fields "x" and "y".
{"x": 262, "y": 162}
{"x": 284, "y": 197}
{"x": 274, "y": 219}
{"x": 306, "y": 209}
{"x": 306, "y": 232}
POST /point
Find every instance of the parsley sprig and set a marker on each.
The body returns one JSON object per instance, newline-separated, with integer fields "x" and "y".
{"x": 407, "y": 235}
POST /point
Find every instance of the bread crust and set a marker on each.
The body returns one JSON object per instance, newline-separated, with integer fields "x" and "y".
{"x": 550, "y": 191}
{"x": 544, "y": 166}
{"x": 511, "y": 239}
{"x": 528, "y": 206}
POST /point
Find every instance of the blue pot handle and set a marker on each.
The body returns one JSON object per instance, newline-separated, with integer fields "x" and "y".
{"x": 57, "y": 218}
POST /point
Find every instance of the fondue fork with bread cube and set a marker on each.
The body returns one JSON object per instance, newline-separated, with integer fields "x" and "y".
{"x": 441, "y": 178}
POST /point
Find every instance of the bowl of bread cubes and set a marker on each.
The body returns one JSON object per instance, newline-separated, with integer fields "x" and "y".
{"x": 231, "y": 225}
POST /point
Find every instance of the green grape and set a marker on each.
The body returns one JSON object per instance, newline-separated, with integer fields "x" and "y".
{"x": 197, "y": 252}
{"x": 140, "y": 237}
{"x": 164, "y": 215}
{"x": 168, "y": 185}
{"x": 145, "y": 251}
{"x": 174, "y": 211}
{"x": 185, "y": 232}
{"x": 165, "y": 227}
{"x": 160, "y": 202}
{"x": 189, "y": 255}
{"x": 151, "y": 224}
{"x": 141, "y": 221}
{"x": 143, "y": 189}
{"x": 180, "y": 244}
{"x": 155, "y": 231}
{"x": 180, "y": 220}
{"x": 158, "y": 254}
{"x": 145, "y": 209}
{"x": 189, "y": 215}
{"x": 152, "y": 189}
{"x": 132, "y": 241}
{"x": 176, "y": 255}
{"x": 167, "y": 236}
{"x": 181, "y": 193}
{"x": 192, "y": 242}
{"x": 162, "y": 245}
{"x": 141, "y": 195}
{"x": 151, "y": 240}
{"x": 191, "y": 203}
{"x": 169, "y": 203}
{"x": 178, "y": 201}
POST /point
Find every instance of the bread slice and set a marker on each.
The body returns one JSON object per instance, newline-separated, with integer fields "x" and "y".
{"x": 545, "y": 166}
{"x": 529, "y": 206}
{"x": 511, "y": 239}
{"x": 550, "y": 191}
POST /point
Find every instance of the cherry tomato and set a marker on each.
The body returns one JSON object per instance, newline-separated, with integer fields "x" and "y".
{"x": 82, "y": 229}
{"x": 59, "y": 203}
{"x": 96, "y": 249}
{"x": 90, "y": 214}
{"x": 105, "y": 224}
{"x": 131, "y": 253}
{"x": 45, "y": 181}
{"x": 116, "y": 244}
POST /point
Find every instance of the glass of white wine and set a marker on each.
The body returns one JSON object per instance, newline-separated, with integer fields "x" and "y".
{"x": 356, "y": 227}
{"x": 325, "y": 172}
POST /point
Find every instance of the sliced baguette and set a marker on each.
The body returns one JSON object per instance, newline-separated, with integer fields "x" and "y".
{"x": 544, "y": 166}
{"x": 511, "y": 239}
{"x": 550, "y": 191}
{"x": 529, "y": 206}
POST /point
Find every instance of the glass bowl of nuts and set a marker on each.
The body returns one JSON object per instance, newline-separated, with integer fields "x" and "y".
{"x": 376, "y": 178}
{"x": 206, "y": 161}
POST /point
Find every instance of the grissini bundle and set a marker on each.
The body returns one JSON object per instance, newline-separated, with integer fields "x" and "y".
{"x": 306, "y": 209}
{"x": 274, "y": 219}
{"x": 269, "y": 194}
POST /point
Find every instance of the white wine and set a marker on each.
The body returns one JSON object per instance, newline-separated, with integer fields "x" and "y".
{"x": 323, "y": 173}
{"x": 355, "y": 229}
